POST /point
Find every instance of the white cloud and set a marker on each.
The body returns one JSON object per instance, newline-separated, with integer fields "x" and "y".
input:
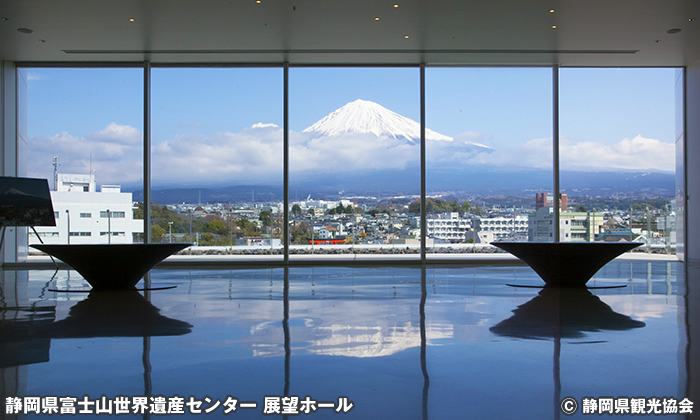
{"x": 232, "y": 157}
{"x": 352, "y": 153}
{"x": 474, "y": 137}
{"x": 536, "y": 153}
{"x": 639, "y": 153}
{"x": 119, "y": 134}
{"x": 255, "y": 155}
{"x": 636, "y": 153}
{"x": 114, "y": 153}
{"x": 458, "y": 152}
{"x": 264, "y": 125}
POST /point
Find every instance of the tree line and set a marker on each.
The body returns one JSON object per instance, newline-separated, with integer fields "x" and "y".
{"x": 215, "y": 229}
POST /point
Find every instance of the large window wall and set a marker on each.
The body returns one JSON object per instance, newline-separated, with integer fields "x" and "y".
{"x": 489, "y": 156}
{"x": 617, "y": 155}
{"x": 352, "y": 169}
{"x": 354, "y": 159}
{"x": 217, "y": 158}
{"x": 85, "y": 136}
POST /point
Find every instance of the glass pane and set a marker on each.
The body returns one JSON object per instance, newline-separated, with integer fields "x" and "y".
{"x": 217, "y": 153}
{"x": 681, "y": 216}
{"x": 488, "y": 158}
{"x": 617, "y": 156}
{"x": 85, "y": 137}
{"x": 354, "y": 160}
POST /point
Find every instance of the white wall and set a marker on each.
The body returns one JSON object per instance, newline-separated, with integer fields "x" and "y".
{"x": 92, "y": 203}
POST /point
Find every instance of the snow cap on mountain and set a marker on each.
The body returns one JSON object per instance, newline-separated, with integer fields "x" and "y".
{"x": 363, "y": 116}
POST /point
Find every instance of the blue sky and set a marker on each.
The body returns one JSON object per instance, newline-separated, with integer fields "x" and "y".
{"x": 621, "y": 118}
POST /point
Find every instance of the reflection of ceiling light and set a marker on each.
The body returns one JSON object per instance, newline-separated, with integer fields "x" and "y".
{"x": 673, "y": 31}
{"x": 24, "y": 30}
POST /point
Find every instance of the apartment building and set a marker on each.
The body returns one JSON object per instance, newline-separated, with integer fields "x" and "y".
{"x": 85, "y": 215}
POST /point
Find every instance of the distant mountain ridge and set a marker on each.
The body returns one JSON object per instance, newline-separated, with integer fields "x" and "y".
{"x": 213, "y": 194}
{"x": 482, "y": 182}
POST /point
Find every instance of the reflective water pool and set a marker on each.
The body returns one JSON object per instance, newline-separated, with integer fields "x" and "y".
{"x": 386, "y": 342}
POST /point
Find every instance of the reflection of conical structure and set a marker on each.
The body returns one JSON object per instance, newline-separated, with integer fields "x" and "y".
{"x": 116, "y": 314}
{"x": 565, "y": 313}
{"x": 562, "y": 313}
{"x": 21, "y": 342}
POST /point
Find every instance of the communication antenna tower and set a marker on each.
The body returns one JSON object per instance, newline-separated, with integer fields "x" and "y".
{"x": 56, "y": 164}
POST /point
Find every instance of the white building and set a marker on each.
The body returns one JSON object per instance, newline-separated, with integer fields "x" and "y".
{"x": 448, "y": 226}
{"x": 503, "y": 228}
{"x": 326, "y": 232}
{"x": 91, "y": 217}
{"x": 573, "y": 226}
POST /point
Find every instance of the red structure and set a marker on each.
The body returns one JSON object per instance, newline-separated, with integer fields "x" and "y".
{"x": 331, "y": 241}
{"x": 543, "y": 200}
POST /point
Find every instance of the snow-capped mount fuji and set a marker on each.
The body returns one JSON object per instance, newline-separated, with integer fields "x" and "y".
{"x": 362, "y": 116}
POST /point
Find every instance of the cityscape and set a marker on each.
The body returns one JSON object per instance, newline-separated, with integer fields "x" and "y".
{"x": 347, "y": 214}
{"x": 84, "y": 215}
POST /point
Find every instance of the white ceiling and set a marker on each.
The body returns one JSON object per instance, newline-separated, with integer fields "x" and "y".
{"x": 308, "y": 32}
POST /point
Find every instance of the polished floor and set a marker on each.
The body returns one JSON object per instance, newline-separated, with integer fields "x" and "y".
{"x": 379, "y": 342}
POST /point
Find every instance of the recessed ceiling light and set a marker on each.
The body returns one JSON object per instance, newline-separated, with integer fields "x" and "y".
{"x": 24, "y": 30}
{"x": 396, "y": 5}
{"x": 689, "y": 19}
{"x": 258, "y": 1}
{"x": 551, "y": 10}
{"x": 131, "y": 20}
{"x": 554, "y": 26}
{"x": 377, "y": 18}
{"x": 4, "y": 19}
{"x": 406, "y": 37}
{"x": 673, "y": 31}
